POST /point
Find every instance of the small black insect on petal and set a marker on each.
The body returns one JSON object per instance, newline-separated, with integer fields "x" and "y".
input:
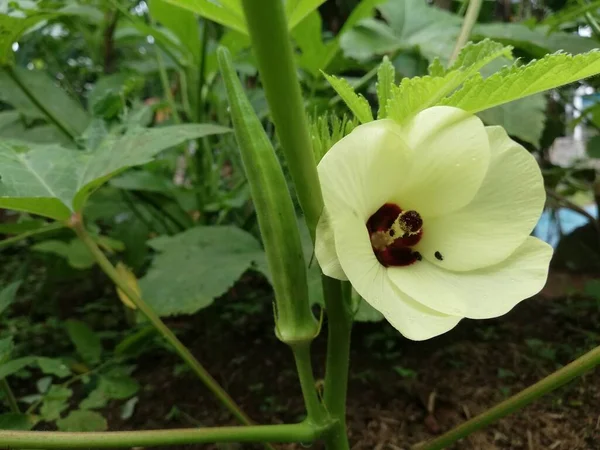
{"x": 438, "y": 256}
{"x": 418, "y": 256}
{"x": 392, "y": 233}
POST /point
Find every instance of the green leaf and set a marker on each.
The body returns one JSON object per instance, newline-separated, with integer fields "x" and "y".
{"x": 55, "y": 402}
{"x": 225, "y": 12}
{"x": 386, "y": 79}
{"x": 181, "y": 22}
{"x": 356, "y": 102}
{"x": 143, "y": 180}
{"x": 592, "y": 147}
{"x": 53, "y": 366}
{"x": 75, "y": 252}
{"x": 537, "y": 41}
{"x": 297, "y": 10}
{"x": 52, "y": 98}
{"x": 17, "y": 422}
{"x": 11, "y": 367}
{"x": 96, "y": 399}
{"x": 524, "y": 118}
{"x": 11, "y": 29}
{"x": 118, "y": 386}
{"x": 108, "y": 97}
{"x": 572, "y": 13}
{"x": 418, "y": 93}
{"x": 192, "y": 268}
{"x": 82, "y": 421}
{"x": 8, "y": 294}
{"x": 517, "y": 81}
{"x": 55, "y": 182}
{"x": 87, "y": 343}
{"x": 6, "y": 348}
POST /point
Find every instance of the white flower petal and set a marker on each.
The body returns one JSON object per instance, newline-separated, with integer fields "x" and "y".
{"x": 325, "y": 249}
{"x": 500, "y": 217}
{"x": 451, "y": 156}
{"x": 361, "y": 170}
{"x": 369, "y": 278}
{"x": 478, "y": 294}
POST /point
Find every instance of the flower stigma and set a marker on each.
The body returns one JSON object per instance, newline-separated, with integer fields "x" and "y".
{"x": 393, "y": 232}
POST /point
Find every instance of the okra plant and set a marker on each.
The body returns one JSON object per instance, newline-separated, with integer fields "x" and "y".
{"x": 421, "y": 210}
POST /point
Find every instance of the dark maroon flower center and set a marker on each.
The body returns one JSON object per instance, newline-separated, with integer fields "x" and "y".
{"x": 393, "y": 232}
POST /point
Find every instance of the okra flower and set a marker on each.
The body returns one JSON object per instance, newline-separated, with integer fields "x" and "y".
{"x": 430, "y": 220}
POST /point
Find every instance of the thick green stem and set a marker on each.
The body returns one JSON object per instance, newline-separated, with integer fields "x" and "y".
{"x": 63, "y": 127}
{"x": 302, "y": 432}
{"x": 338, "y": 360}
{"x": 271, "y": 45}
{"x": 79, "y": 228}
{"x": 45, "y": 229}
{"x": 518, "y": 401}
{"x": 10, "y": 397}
{"x": 467, "y": 26}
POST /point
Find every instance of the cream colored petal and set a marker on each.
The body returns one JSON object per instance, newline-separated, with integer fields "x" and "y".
{"x": 325, "y": 249}
{"x": 482, "y": 293}
{"x": 369, "y": 278}
{"x": 500, "y": 217}
{"x": 361, "y": 170}
{"x": 452, "y": 154}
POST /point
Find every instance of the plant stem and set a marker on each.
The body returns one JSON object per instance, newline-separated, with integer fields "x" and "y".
{"x": 518, "y": 401}
{"x": 79, "y": 228}
{"x": 271, "y": 44}
{"x": 10, "y": 396}
{"x": 45, "y": 229}
{"x": 314, "y": 408}
{"x": 467, "y": 26}
{"x": 302, "y": 432}
{"x": 338, "y": 360}
{"x": 39, "y": 105}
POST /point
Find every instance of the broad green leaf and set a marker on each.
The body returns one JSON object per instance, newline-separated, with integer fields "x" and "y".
{"x": 17, "y": 422}
{"x": 366, "y": 313}
{"x": 6, "y": 348}
{"x": 8, "y": 119}
{"x": 225, "y": 12}
{"x": 22, "y": 227}
{"x": 83, "y": 421}
{"x": 537, "y": 41}
{"x": 297, "y": 10}
{"x": 53, "y": 181}
{"x": 55, "y": 402}
{"x": 8, "y": 294}
{"x": 180, "y": 22}
{"x": 87, "y": 343}
{"x": 356, "y": 102}
{"x": 517, "y": 82}
{"x": 192, "y": 268}
{"x": 474, "y": 56}
{"x": 37, "y": 134}
{"x": 74, "y": 251}
{"x": 386, "y": 79}
{"x": 53, "y": 366}
{"x": 13, "y": 366}
{"x": 53, "y": 99}
{"x": 524, "y": 118}
{"x": 309, "y": 39}
{"x": 11, "y": 29}
{"x": 86, "y": 12}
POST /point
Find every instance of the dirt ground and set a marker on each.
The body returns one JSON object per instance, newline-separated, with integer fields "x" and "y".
{"x": 401, "y": 392}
